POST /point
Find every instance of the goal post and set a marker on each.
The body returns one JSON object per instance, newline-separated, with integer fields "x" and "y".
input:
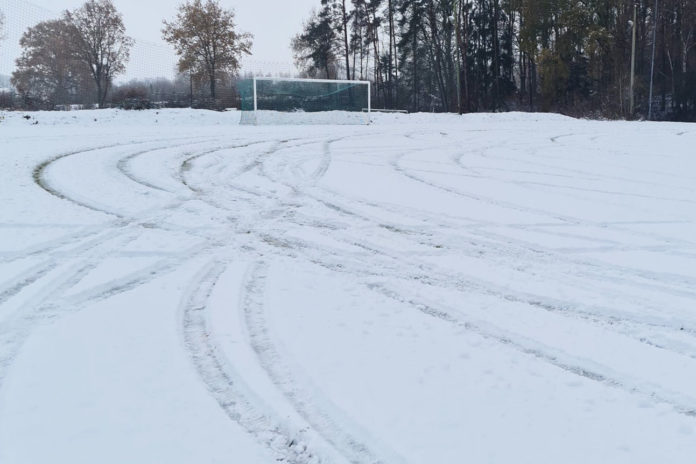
{"x": 267, "y": 100}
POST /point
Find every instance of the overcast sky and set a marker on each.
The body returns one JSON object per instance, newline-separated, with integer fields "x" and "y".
{"x": 273, "y": 23}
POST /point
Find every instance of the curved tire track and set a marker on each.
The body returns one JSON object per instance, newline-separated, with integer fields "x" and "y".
{"x": 225, "y": 384}
{"x": 304, "y": 399}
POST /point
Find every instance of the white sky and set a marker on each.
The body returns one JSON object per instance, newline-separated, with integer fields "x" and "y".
{"x": 273, "y": 23}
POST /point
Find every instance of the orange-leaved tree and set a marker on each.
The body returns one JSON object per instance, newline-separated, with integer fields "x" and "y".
{"x": 206, "y": 39}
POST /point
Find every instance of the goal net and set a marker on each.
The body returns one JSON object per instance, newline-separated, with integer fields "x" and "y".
{"x": 304, "y": 101}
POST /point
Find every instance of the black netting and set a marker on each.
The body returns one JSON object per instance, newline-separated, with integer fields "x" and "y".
{"x": 304, "y": 95}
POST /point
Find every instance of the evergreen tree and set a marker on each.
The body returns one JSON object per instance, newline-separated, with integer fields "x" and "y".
{"x": 554, "y": 55}
{"x": 315, "y": 47}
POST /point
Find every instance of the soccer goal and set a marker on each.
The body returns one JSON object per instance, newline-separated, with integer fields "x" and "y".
{"x": 266, "y": 100}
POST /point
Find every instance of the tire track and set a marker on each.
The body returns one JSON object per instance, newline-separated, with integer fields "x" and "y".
{"x": 304, "y": 399}
{"x": 321, "y": 421}
{"x": 49, "y": 302}
{"x": 43, "y": 306}
{"x": 39, "y": 176}
{"x": 681, "y": 404}
{"x": 51, "y": 246}
{"x": 531, "y": 300}
{"x": 226, "y": 385}
{"x": 188, "y": 164}
{"x": 39, "y": 173}
{"x": 124, "y": 167}
{"x": 604, "y": 316}
{"x": 39, "y": 271}
{"x": 596, "y": 372}
{"x": 618, "y": 273}
{"x": 517, "y": 253}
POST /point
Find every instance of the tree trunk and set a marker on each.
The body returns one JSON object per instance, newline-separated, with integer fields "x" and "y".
{"x": 212, "y": 84}
{"x": 375, "y": 44}
{"x": 392, "y": 47}
{"x": 436, "y": 52}
{"x": 99, "y": 80}
{"x": 532, "y": 82}
{"x": 106, "y": 88}
{"x": 345, "y": 38}
{"x": 463, "y": 45}
{"x": 415, "y": 69}
{"x": 99, "y": 93}
{"x": 496, "y": 55}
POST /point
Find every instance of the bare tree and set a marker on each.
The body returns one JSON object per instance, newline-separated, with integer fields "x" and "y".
{"x": 47, "y": 72}
{"x": 101, "y": 42}
{"x": 206, "y": 39}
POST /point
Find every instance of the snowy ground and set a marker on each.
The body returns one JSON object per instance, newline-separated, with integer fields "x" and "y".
{"x": 175, "y": 288}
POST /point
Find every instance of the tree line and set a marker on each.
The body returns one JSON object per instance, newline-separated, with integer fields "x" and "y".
{"x": 74, "y": 59}
{"x": 571, "y": 56}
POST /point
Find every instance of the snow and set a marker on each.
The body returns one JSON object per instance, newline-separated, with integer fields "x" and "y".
{"x": 495, "y": 288}
{"x": 267, "y": 117}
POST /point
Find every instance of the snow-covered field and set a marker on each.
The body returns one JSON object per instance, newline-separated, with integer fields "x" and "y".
{"x": 175, "y": 288}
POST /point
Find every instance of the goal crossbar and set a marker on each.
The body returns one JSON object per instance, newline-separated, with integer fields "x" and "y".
{"x": 318, "y": 81}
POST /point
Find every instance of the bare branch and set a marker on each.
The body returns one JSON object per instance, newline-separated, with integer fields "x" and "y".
{"x": 101, "y": 42}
